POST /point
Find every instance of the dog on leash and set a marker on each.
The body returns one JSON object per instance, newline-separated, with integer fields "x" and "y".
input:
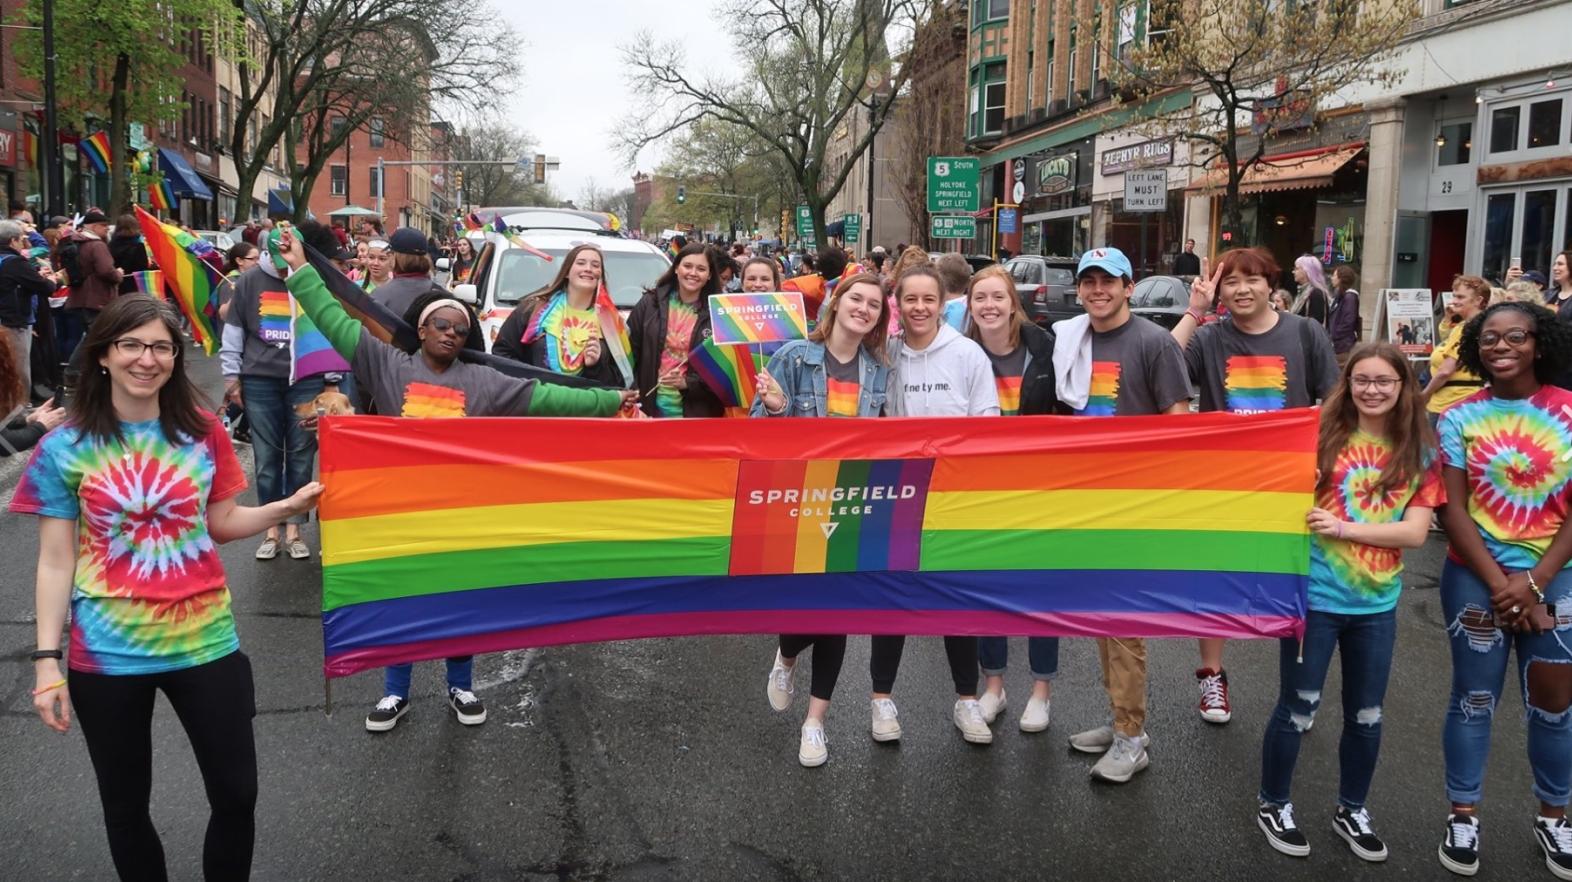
{"x": 329, "y": 402}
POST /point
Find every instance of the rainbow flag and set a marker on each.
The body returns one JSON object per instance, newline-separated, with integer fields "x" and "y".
{"x": 161, "y": 196}
{"x": 148, "y": 282}
{"x": 731, "y": 371}
{"x": 96, "y": 148}
{"x": 193, "y": 280}
{"x": 614, "y": 332}
{"x": 310, "y": 353}
{"x": 758, "y": 318}
{"x": 618, "y": 529}
{"x": 498, "y": 226}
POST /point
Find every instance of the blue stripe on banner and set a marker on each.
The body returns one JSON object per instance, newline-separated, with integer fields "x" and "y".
{"x": 481, "y": 611}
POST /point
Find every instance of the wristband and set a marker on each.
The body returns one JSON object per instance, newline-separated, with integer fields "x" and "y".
{"x": 1534, "y": 586}
{"x": 50, "y": 688}
{"x": 1195, "y": 314}
{"x": 41, "y": 654}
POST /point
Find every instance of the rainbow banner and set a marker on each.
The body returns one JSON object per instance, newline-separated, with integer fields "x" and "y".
{"x": 617, "y": 529}
{"x": 148, "y": 282}
{"x": 732, "y": 372}
{"x": 310, "y": 353}
{"x": 160, "y": 195}
{"x": 758, "y": 318}
{"x": 193, "y": 280}
{"x": 96, "y": 148}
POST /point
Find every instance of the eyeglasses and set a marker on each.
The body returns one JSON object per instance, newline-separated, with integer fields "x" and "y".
{"x": 252, "y": 259}
{"x": 1380, "y": 384}
{"x": 1514, "y": 337}
{"x": 130, "y": 347}
{"x": 442, "y": 325}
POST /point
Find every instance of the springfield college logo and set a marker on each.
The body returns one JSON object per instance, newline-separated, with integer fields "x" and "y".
{"x": 829, "y": 516}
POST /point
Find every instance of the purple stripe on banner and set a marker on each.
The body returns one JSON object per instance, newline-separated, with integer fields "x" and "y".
{"x": 912, "y": 622}
{"x": 906, "y": 523}
{"x": 762, "y": 599}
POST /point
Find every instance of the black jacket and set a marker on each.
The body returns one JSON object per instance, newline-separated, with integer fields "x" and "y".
{"x": 1037, "y": 386}
{"x": 647, "y": 334}
{"x": 21, "y": 287}
{"x": 510, "y": 344}
{"x": 19, "y": 435}
{"x": 130, "y": 256}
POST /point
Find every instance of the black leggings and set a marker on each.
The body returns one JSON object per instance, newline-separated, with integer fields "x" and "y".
{"x": 215, "y": 703}
{"x": 828, "y": 653}
{"x": 885, "y": 662}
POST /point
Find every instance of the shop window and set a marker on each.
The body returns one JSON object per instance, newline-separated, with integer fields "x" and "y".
{"x": 1498, "y": 234}
{"x": 1539, "y": 221}
{"x": 1503, "y": 129}
{"x": 1455, "y": 144}
{"x": 1544, "y": 123}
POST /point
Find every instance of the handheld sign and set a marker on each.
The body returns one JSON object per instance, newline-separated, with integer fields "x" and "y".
{"x": 758, "y": 318}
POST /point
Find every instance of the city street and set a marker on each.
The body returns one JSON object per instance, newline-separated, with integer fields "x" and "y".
{"x": 661, "y": 759}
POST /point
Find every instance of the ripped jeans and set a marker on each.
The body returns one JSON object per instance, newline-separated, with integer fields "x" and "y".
{"x": 1365, "y": 643}
{"x": 1479, "y": 665}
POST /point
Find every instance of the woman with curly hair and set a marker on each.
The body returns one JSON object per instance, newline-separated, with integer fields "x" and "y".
{"x": 1506, "y": 583}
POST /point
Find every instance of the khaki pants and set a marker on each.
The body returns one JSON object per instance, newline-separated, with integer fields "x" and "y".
{"x": 1124, "y": 676}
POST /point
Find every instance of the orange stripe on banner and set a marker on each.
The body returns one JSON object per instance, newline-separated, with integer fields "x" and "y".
{"x": 1129, "y": 470}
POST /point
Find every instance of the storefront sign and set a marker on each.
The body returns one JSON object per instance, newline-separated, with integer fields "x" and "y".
{"x": 1146, "y": 190}
{"x": 1009, "y": 221}
{"x": 1056, "y": 174}
{"x": 953, "y": 227}
{"x": 8, "y": 148}
{"x": 1143, "y": 155}
{"x": 1410, "y": 321}
{"x": 953, "y": 183}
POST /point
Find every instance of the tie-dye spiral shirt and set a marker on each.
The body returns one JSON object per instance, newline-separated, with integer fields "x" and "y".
{"x": 149, "y": 593}
{"x": 1510, "y": 453}
{"x": 1352, "y": 578}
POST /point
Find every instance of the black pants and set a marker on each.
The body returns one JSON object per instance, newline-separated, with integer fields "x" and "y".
{"x": 829, "y": 651}
{"x": 215, "y": 703}
{"x": 885, "y": 662}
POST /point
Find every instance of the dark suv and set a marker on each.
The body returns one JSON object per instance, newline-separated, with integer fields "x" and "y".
{"x": 1046, "y": 286}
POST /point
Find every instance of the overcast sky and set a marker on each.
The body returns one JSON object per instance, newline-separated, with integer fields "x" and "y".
{"x": 574, "y": 90}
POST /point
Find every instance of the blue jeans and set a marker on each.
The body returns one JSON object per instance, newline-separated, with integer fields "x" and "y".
{"x": 1479, "y": 664}
{"x": 285, "y": 453}
{"x": 993, "y": 653}
{"x": 1365, "y": 643}
{"x": 395, "y": 679}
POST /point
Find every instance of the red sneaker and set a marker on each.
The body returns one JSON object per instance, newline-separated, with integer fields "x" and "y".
{"x": 1214, "y": 695}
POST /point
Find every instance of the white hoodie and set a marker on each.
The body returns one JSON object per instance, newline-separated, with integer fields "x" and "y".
{"x": 952, "y": 377}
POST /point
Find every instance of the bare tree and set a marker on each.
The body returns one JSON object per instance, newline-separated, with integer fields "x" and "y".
{"x": 1257, "y": 69}
{"x": 497, "y": 184}
{"x": 928, "y": 121}
{"x": 812, "y": 63}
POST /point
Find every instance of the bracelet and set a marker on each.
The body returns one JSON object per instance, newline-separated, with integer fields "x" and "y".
{"x": 1534, "y": 586}
{"x": 1195, "y": 314}
{"x": 50, "y": 688}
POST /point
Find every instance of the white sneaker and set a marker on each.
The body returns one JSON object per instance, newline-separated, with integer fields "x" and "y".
{"x": 991, "y": 705}
{"x": 886, "y": 725}
{"x": 1035, "y": 717}
{"x": 812, "y": 751}
{"x": 779, "y": 687}
{"x": 969, "y": 719}
{"x": 1126, "y": 757}
{"x": 1098, "y": 740}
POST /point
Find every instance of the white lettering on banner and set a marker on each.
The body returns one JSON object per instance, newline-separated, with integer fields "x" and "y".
{"x": 878, "y": 493}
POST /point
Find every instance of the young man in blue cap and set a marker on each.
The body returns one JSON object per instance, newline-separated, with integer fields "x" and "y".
{"x": 1108, "y": 363}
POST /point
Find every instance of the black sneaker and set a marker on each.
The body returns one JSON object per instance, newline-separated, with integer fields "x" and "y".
{"x": 1354, "y": 827}
{"x": 387, "y": 713}
{"x": 1555, "y": 838}
{"x": 1460, "y": 849}
{"x": 470, "y": 710}
{"x": 1277, "y": 822}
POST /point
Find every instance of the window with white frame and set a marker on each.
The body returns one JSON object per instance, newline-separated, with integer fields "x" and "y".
{"x": 1528, "y": 127}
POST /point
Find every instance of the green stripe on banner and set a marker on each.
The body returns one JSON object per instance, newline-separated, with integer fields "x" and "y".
{"x": 1203, "y": 550}
{"x": 419, "y": 575}
{"x": 841, "y": 555}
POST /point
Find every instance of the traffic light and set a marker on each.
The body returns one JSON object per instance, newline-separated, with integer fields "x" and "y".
{"x": 682, "y": 194}
{"x": 458, "y": 179}
{"x": 540, "y": 168}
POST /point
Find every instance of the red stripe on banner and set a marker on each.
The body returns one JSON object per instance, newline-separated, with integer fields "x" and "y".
{"x": 916, "y": 623}
{"x": 752, "y": 550}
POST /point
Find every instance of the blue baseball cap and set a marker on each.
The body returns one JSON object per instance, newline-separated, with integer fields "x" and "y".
{"x": 1110, "y": 260}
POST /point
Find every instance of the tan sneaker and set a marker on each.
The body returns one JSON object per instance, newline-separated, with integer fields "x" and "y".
{"x": 813, "y": 751}
{"x": 969, "y": 719}
{"x": 991, "y": 705}
{"x": 886, "y": 722}
{"x": 779, "y": 688}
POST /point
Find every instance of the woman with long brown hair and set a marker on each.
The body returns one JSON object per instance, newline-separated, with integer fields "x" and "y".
{"x": 559, "y": 328}
{"x": 1379, "y": 480}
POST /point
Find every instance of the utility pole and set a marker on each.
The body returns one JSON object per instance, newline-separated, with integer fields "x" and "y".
{"x": 49, "y": 150}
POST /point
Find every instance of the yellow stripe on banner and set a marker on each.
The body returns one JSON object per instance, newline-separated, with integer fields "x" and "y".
{"x": 812, "y": 542}
{"x": 1220, "y": 510}
{"x": 352, "y": 540}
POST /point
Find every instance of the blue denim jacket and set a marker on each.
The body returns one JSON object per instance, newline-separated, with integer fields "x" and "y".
{"x": 799, "y": 368}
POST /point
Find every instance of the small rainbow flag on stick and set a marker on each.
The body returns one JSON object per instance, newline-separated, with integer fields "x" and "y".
{"x": 731, "y": 371}
{"x": 192, "y": 279}
{"x": 149, "y": 282}
{"x": 96, "y": 148}
{"x": 160, "y": 195}
{"x": 310, "y": 353}
{"x": 758, "y": 318}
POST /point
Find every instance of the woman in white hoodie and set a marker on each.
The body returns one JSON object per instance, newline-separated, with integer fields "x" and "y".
{"x": 937, "y": 373}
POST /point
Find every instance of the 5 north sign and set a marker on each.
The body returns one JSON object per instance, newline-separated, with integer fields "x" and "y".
{"x": 953, "y": 228}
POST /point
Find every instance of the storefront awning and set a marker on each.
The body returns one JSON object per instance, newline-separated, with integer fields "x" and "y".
{"x": 183, "y": 180}
{"x": 280, "y": 201}
{"x": 1307, "y": 170}
{"x": 835, "y": 229}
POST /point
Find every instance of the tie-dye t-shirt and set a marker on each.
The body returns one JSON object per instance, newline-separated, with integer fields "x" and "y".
{"x": 1510, "y": 453}
{"x": 680, "y": 320}
{"x": 149, "y": 592}
{"x": 1352, "y": 578}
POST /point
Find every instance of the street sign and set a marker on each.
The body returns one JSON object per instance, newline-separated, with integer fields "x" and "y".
{"x": 1009, "y": 221}
{"x": 953, "y": 227}
{"x": 853, "y": 223}
{"x": 1146, "y": 190}
{"x": 953, "y": 183}
{"x": 804, "y": 222}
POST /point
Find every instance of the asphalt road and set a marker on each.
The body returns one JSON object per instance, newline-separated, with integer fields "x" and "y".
{"x": 660, "y": 759}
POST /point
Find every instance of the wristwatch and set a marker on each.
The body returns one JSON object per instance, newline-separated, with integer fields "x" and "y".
{"x": 41, "y": 654}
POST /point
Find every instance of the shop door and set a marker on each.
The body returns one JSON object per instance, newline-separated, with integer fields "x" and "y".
{"x": 1410, "y": 241}
{"x": 1525, "y": 223}
{"x": 1448, "y": 236}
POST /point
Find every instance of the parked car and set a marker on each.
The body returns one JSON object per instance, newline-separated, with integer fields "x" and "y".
{"x": 505, "y": 273}
{"x": 541, "y": 217}
{"x": 1046, "y": 286}
{"x": 1163, "y": 299}
{"x": 975, "y": 261}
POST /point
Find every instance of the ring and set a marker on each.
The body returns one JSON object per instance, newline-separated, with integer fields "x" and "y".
{"x": 1516, "y": 609}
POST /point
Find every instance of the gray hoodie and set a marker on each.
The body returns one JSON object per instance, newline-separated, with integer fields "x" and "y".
{"x": 952, "y": 377}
